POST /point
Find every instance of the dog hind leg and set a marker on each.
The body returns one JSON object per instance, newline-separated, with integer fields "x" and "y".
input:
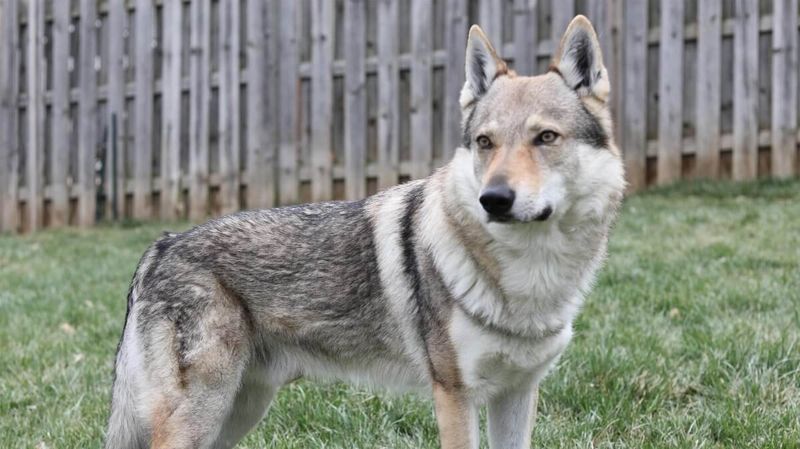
{"x": 249, "y": 407}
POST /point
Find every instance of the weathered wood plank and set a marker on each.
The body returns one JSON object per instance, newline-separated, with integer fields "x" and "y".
{"x": 563, "y": 12}
{"x": 322, "y": 16}
{"x": 526, "y": 32}
{"x": 88, "y": 137}
{"x": 171, "y": 204}
{"x": 456, "y": 28}
{"x": 229, "y": 106}
{"x": 9, "y": 115}
{"x": 388, "y": 103}
{"x": 289, "y": 96}
{"x": 116, "y": 105}
{"x": 199, "y": 100}
{"x": 670, "y": 93}
{"x": 35, "y": 132}
{"x": 355, "y": 102}
{"x": 745, "y": 90}
{"x": 421, "y": 88}
{"x": 784, "y": 88}
{"x": 708, "y": 89}
{"x": 490, "y": 14}
{"x": 143, "y": 137}
{"x": 634, "y": 95}
{"x": 260, "y": 107}
{"x": 61, "y": 126}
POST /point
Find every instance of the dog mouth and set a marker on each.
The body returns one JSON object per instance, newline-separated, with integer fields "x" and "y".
{"x": 541, "y": 217}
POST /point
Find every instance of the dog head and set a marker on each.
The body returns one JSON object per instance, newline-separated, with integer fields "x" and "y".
{"x": 538, "y": 145}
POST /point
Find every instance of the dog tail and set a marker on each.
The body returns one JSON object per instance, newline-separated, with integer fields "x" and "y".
{"x": 125, "y": 429}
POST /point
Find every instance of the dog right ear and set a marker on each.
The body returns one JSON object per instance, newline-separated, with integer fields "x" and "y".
{"x": 482, "y": 66}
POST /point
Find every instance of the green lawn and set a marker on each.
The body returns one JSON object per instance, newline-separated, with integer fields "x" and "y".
{"x": 691, "y": 338}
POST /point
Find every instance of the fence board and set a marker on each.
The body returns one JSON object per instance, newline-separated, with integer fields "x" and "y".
{"x": 709, "y": 72}
{"x": 199, "y": 104}
{"x": 634, "y": 93}
{"x": 490, "y": 14}
{"x": 289, "y": 99}
{"x": 526, "y": 33}
{"x": 563, "y": 12}
{"x": 87, "y": 122}
{"x": 35, "y": 142}
{"x": 388, "y": 85}
{"x": 116, "y": 106}
{"x": 171, "y": 205}
{"x": 784, "y": 88}
{"x": 670, "y": 93}
{"x": 322, "y": 13}
{"x": 456, "y": 27}
{"x": 143, "y": 103}
{"x": 421, "y": 88}
{"x": 229, "y": 107}
{"x": 745, "y": 90}
{"x": 60, "y": 134}
{"x": 355, "y": 102}
{"x": 9, "y": 113}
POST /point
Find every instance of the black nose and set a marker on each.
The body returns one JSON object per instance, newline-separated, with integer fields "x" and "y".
{"x": 497, "y": 200}
{"x": 544, "y": 214}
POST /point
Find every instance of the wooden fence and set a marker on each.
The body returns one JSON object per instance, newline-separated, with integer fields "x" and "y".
{"x": 183, "y": 109}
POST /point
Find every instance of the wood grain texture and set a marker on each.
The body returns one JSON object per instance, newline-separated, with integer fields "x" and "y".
{"x": 116, "y": 103}
{"x": 322, "y": 15}
{"x": 199, "y": 103}
{"x": 289, "y": 96}
{"x": 421, "y": 88}
{"x": 388, "y": 103}
{"x": 456, "y": 28}
{"x": 229, "y": 107}
{"x": 526, "y": 36}
{"x": 35, "y": 132}
{"x": 171, "y": 90}
{"x": 60, "y": 106}
{"x": 355, "y": 102}
{"x": 784, "y": 88}
{"x": 745, "y": 90}
{"x": 634, "y": 94}
{"x": 670, "y": 93}
{"x": 708, "y": 88}
{"x": 143, "y": 104}
{"x": 9, "y": 116}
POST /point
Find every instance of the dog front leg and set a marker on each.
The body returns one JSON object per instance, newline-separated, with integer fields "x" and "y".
{"x": 511, "y": 418}
{"x": 457, "y": 418}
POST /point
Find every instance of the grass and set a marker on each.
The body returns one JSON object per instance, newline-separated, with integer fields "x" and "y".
{"x": 690, "y": 338}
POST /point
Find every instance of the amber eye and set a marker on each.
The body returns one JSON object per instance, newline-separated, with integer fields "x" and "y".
{"x": 484, "y": 142}
{"x": 545, "y": 137}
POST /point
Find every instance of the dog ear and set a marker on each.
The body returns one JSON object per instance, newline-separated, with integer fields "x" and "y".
{"x": 482, "y": 65}
{"x": 579, "y": 60}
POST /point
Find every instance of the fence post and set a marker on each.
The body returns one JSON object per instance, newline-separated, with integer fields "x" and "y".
{"x": 421, "y": 88}
{"x": 35, "y": 156}
{"x": 634, "y": 93}
{"x": 229, "y": 107}
{"x": 171, "y": 94}
{"x": 455, "y": 47}
{"x": 60, "y": 134}
{"x": 670, "y": 93}
{"x": 289, "y": 100}
{"x": 322, "y": 16}
{"x": 709, "y": 72}
{"x": 9, "y": 112}
{"x": 745, "y": 90}
{"x": 199, "y": 103}
{"x": 87, "y": 121}
{"x": 784, "y": 88}
{"x": 355, "y": 102}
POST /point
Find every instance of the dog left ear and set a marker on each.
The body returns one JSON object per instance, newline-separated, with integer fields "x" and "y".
{"x": 579, "y": 60}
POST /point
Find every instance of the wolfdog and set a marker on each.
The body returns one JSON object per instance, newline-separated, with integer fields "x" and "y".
{"x": 463, "y": 285}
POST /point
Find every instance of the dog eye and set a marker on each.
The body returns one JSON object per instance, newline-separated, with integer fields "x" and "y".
{"x": 484, "y": 142}
{"x": 545, "y": 137}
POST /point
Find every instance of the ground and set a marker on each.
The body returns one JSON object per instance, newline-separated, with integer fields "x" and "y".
{"x": 691, "y": 337}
